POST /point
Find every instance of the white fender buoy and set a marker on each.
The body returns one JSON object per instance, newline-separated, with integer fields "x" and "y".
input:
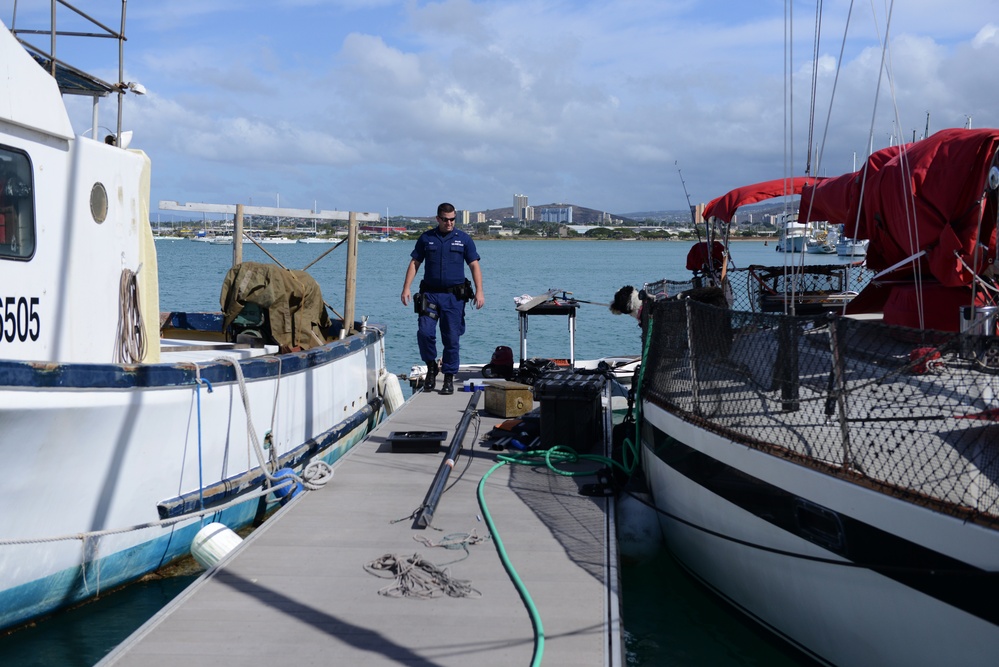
{"x": 213, "y": 543}
{"x": 388, "y": 386}
{"x": 639, "y": 535}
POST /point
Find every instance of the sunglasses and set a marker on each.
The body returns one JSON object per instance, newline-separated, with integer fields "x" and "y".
{"x": 446, "y": 219}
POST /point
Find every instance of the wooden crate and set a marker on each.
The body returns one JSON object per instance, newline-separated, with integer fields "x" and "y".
{"x": 508, "y": 399}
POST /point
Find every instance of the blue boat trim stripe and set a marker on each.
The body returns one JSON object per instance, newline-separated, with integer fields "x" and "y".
{"x": 949, "y": 580}
{"x": 43, "y": 375}
{"x": 225, "y": 490}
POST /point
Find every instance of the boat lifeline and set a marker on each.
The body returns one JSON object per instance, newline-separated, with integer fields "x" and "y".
{"x": 833, "y": 471}
{"x": 125, "y": 430}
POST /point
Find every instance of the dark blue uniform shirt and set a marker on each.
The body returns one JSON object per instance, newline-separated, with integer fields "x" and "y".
{"x": 444, "y": 256}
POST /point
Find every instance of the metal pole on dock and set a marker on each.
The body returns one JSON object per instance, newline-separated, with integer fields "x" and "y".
{"x": 350, "y": 288}
{"x": 426, "y": 512}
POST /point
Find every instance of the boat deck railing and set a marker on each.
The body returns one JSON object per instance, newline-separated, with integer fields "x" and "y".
{"x": 794, "y": 289}
{"x": 911, "y": 413}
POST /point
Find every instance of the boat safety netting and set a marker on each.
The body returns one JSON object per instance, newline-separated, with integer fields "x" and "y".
{"x": 811, "y": 289}
{"x": 907, "y": 412}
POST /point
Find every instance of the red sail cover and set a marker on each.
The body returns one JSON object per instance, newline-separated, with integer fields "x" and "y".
{"x": 927, "y": 195}
{"x": 724, "y": 207}
{"x": 837, "y": 199}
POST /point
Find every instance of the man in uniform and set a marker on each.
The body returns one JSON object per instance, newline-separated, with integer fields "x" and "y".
{"x": 443, "y": 293}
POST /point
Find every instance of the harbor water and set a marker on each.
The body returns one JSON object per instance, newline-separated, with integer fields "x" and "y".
{"x": 669, "y": 618}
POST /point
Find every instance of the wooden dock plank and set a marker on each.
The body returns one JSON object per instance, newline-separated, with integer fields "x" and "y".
{"x": 297, "y": 589}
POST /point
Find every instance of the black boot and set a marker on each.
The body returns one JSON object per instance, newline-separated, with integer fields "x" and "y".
{"x": 448, "y": 386}
{"x": 430, "y": 382}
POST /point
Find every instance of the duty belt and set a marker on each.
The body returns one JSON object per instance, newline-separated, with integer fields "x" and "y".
{"x": 441, "y": 290}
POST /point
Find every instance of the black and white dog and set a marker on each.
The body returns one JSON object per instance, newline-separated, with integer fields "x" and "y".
{"x": 630, "y": 301}
{"x": 627, "y": 301}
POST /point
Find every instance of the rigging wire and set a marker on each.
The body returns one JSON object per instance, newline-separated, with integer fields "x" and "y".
{"x": 791, "y": 270}
{"x": 815, "y": 78}
{"x": 908, "y": 198}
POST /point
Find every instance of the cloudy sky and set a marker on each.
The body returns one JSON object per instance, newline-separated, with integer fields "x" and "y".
{"x": 396, "y": 105}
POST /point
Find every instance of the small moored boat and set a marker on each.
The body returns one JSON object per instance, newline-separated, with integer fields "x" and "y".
{"x": 847, "y": 247}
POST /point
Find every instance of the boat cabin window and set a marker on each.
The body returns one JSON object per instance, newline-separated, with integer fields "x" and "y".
{"x": 17, "y": 207}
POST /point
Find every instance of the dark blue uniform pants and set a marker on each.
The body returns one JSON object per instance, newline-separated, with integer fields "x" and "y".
{"x": 451, "y": 315}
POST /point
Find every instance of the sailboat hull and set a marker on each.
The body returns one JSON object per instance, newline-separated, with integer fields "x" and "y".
{"x": 786, "y": 545}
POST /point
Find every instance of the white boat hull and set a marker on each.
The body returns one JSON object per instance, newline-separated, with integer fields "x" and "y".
{"x": 852, "y": 248}
{"x": 318, "y": 240}
{"x": 752, "y": 527}
{"x": 275, "y": 240}
{"x": 791, "y": 244}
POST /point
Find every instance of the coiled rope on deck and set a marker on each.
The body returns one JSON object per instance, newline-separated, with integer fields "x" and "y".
{"x": 416, "y": 577}
{"x": 453, "y": 541}
{"x": 130, "y": 338}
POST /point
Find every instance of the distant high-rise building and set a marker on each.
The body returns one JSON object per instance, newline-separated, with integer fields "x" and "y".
{"x": 698, "y": 212}
{"x": 557, "y": 214}
{"x": 519, "y": 204}
{"x": 462, "y": 216}
{"x": 529, "y": 213}
{"x": 480, "y": 217}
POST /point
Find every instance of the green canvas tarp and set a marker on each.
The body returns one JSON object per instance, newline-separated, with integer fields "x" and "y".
{"x": 289, "y": 303}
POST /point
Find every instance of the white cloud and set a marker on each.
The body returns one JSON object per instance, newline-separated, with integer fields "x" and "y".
{"x": 378, "y": 67}
{"x": 988, "y": 35}
{"x": 400, "y": 102}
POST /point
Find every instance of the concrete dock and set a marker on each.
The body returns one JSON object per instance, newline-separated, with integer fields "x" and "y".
{"x": 297, "y": 591}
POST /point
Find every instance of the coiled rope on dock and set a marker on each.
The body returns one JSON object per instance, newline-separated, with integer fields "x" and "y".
{"x": 454, "y": 541}
{"x": 416, "y": 577}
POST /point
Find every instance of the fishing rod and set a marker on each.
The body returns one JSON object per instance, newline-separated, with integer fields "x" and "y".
{"x": 707, "y": 229}
{"x": 690, "y": 206}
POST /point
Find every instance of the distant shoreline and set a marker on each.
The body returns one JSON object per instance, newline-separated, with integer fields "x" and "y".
{"x": 741, "y": 239}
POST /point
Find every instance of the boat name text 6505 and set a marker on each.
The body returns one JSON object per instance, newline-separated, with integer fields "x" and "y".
{"x": 19, "y": 318}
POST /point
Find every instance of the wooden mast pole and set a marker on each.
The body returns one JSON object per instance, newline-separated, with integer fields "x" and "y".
{"x": 237, "y": 236}
{"x": 350, "y": 286}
